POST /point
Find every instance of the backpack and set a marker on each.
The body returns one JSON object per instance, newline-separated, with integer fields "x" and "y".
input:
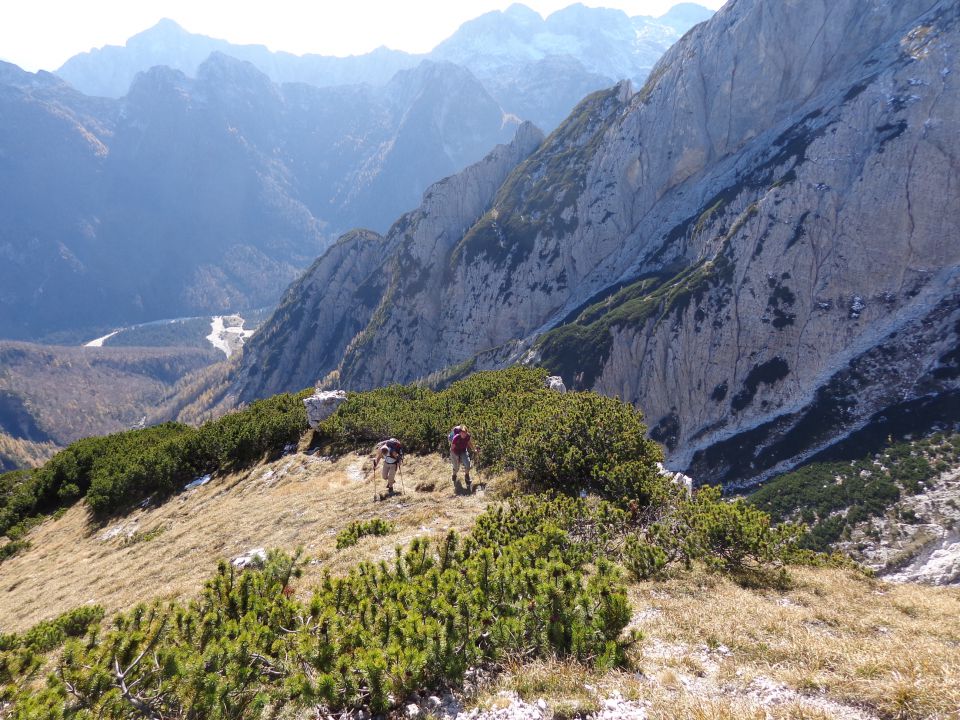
{"x": 395, "y": 446}
{"x": 459, "y": 441}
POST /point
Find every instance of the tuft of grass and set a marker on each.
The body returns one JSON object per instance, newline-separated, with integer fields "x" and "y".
{"x": 145, "y": 535}
{"x": 350, "y": 535}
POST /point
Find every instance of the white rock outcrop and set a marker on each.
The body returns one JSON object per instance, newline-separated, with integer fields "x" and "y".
{"x": 251, "y": 557}
{"x": 677, "y": 478}
{"x": 555, "y": 382}
{"x": 322, "y": 404}
{"x": 936, "y": 565}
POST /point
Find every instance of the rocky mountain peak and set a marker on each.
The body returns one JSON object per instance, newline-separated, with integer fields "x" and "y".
{"x": 221, "y": 73}
{"x": 684, "y": 16}
{"x": 736, "y": 247}
{"x": 520, "y": 13}
{"x": 164, "y": 31}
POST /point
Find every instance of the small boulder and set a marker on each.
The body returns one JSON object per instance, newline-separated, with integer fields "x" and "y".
{"x": 555, "y": 382}
{"x": 322, "y": 404}
{"x": 257, "y": 556}
{"x": 412, "y": 710}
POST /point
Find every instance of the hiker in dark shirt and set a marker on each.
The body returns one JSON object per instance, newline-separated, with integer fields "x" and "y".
{"x": 461, "y": 445}
{"x": 390, "y": 453}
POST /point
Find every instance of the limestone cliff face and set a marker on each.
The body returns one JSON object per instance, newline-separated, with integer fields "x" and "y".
{"x": 760, "y": 247}
{"x": 329, "y": 317}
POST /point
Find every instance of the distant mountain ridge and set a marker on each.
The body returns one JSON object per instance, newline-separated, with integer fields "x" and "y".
{"x": 110, "y": 70}
{"x": 760, "y": 255}
{"x": 555, "y": 60}
{"x": 206, "y": 195}
{"x": 208, "y": 186}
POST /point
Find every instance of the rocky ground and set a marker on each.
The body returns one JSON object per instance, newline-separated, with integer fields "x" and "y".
{"x": 918, "y": 539}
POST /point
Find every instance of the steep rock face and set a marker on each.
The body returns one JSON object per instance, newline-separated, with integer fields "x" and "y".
{"x": 338, "y": 306}
{"x": 759, "y": 247}
{"x": 820, "y": 281}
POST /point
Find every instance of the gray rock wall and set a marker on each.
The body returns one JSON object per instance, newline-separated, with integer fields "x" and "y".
{"x": 760, "y": 247}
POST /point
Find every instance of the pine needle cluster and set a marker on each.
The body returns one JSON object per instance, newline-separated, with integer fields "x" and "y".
{"x": 351, "y": 534}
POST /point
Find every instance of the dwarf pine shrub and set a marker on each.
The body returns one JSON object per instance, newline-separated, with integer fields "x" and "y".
{"x": 728, "y": 536}
{"x": 23, "y": 655}
{"x": 567, "y": 442}
{"x": 832, "y": 497}
{"x": 115, "y": 471}
{"x": 525, "y": 583}
{"x": 351, "y": 534}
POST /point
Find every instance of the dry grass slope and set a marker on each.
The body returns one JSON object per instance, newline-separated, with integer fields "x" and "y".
{"x": 168, "y": 551}
{"x": 834, "y": 645}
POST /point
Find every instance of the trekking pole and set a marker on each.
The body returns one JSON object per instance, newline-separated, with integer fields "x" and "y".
{"x": 374, "y": 478}
{"x": 400, "y": 468}
{"x": 476, "y": 469}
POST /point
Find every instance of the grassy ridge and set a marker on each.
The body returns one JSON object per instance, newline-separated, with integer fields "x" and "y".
{"x": 539, "y": 576}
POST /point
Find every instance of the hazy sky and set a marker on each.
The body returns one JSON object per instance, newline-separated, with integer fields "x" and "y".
{"x": 42, "y": 34}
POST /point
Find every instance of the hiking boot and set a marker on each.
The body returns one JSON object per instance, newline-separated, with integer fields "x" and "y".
{"x": 469, "y": 485}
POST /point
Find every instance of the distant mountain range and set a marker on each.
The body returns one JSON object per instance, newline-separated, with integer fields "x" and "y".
{"x": 181, "y": 175}
{"x": 196, "y": 195}
{"x": 536, "y": 68}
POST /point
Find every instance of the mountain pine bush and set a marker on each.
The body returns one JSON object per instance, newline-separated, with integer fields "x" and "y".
{"x": 570, "y": 442}
{"x": 725, "y": 536}
{"x": 115, "y": 471}
{"x": 832, "y": 497}
{"x": 351, "y": 535}
{"x": 523, "y": 584}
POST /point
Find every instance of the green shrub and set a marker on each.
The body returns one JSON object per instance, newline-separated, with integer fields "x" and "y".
{"x": 584, "y": 441}
{"x": 832, "y": 497}
{"x": 559, "y": 441}
{"x": 728, "y": 536}
{"x": 524, "y": 584}
{"x": 76, "y": 622}
{"x": 115, "y": 471}
{"x": 644, "y": 560}
{"x": 12, "y": 548}
{"x": 361, "y": 528}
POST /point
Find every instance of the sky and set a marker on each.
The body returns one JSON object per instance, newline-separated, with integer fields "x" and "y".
{"x": 42, "y": 34}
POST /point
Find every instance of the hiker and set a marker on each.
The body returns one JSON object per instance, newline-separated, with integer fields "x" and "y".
{"x": 391, "y": 453}
{"x": 461, "y": 445}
